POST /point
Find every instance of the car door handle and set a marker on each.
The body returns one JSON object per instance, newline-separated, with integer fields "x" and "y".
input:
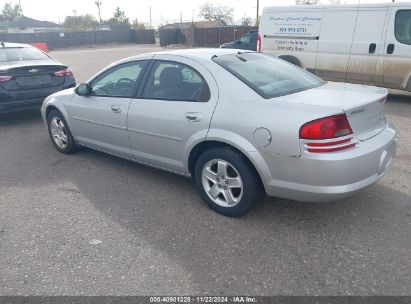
{"x": 115, "y": 109}
{"x": 372, "y": 48}
{"x": 192, "y": 116}
{"x": 390, "y": 48}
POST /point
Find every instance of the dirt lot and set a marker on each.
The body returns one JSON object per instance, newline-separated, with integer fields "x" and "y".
{"x": 93, "y": 224}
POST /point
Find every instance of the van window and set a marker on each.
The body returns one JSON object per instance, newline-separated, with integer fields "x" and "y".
{"x": 268, "y": 76}
{"x": 403, "y": 26}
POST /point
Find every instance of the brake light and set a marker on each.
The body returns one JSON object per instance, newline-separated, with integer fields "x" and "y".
{"x": 64, "y": 73}
{"x": 4, "y": 78}
{"x": 326, "y": 128}
{"x": 259, "y": 43}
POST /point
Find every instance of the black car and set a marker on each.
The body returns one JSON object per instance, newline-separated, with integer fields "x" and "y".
{"x": 28, "y": 76}
{"x": 246, "y": 42}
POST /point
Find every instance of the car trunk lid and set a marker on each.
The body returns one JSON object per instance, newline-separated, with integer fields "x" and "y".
{"x": 31, "y": 75}
{"x": 363, "y": 105}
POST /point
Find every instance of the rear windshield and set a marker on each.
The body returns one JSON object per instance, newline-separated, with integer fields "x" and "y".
{"x": 21, "y": 54}
{"x": 268, "y": 76}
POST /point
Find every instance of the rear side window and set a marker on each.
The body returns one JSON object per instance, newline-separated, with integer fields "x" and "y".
{"x": 176, "y": 81}
{"x": 268, "y": 76}
{"x": 21, "y": 54}
{"x": 403, "y": 26}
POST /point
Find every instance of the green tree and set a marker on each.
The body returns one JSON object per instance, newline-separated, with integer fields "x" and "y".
{"x": 119, "y": 20}
{"x": 81, "y": 23}
{"x": 10, "y": 11}
{"x": 211, "y": 12}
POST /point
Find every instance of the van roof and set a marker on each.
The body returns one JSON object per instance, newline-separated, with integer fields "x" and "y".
{"x": 336, "y": 7}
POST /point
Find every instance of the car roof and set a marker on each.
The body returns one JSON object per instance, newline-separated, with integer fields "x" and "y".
{"x": 202, "y": 54}
{"x": 12, "y": 45}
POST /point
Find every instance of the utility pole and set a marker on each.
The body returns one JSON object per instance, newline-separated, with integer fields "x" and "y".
{"x": 150, "y": 17}
{"x": 258, "y": 13}
{"x": 181, "y": 17}
{"x": 99, "y": 3}
{"x": 75, "y": 20}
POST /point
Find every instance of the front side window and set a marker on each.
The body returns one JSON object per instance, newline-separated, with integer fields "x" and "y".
{"x": 245, "y": 39}
{"x": 268, "y": 76}
{"x": 119, "y": 81}
{"x": 403, "y": 26}
{"x": 21, "y": 54}
{"x": 175, "y": 81}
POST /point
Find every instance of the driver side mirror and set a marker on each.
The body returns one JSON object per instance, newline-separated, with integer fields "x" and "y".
{"x": 83, "y": 89}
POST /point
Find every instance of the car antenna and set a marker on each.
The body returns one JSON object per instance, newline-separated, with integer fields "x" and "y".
{"x": 241, "y": 58}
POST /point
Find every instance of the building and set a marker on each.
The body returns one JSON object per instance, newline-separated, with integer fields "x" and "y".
{"x": 197, "y": 24}
{"x": 23, "y": 24}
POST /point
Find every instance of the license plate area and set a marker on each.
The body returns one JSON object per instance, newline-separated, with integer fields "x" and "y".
{"x": 34, "y": 81}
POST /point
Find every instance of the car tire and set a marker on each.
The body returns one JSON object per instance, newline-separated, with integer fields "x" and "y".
{"x": 227, "y": 182}
{"x": 60, "y": 133}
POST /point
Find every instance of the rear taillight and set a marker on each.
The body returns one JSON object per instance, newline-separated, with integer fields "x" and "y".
{"x": 322, "y": 131}
{"x": 64, "y": 73}
{"x": 4, "y": 78}
{"x": 259, "y": 43}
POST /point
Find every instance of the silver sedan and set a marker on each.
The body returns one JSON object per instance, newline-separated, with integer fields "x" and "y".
{"x": 241, "y": 123}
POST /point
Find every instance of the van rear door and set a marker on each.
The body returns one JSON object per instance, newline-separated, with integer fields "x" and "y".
{"x": 367, "y": 44}
{"x": 292, "y": 32}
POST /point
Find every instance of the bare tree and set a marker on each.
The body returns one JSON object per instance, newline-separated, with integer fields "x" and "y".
{"x": 306, "y": 2}
{"x": 212, "y": 12}
{"x": 137, "y": 25}
{"x": 246, "y": 21}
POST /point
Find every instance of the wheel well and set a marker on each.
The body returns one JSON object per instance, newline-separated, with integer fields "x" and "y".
{"x": 291, "y": 59}
{"x": 205, "y": 145}
{"x": 49, "y": 109}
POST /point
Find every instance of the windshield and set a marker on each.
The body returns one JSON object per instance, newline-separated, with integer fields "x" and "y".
{"x": 21, "y": 54}
{"x": 268, "y": 76}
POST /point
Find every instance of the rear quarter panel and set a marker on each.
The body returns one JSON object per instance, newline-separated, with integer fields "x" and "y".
{"x": 241, "y": 111}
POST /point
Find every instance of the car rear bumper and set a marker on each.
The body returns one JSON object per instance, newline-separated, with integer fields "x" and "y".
{"x": 321, "y": 177}
{"x": 11, "y": 101}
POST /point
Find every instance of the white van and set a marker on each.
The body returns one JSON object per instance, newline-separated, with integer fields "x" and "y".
{"x": 369, "y": 44}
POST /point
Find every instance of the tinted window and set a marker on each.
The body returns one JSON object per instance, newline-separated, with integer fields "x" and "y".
{"x": 119, "y": 81}
{"x": 246, "y": 39}
{"x": 175, "y": 81}
{"x": 268, "y": 76}
{"x": 21, "y": 54}
{"x": 403, "y": 26}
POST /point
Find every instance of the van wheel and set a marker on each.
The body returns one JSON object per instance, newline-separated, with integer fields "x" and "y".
{"x": 226, "y": 181}
{"x": 60, "y": 134}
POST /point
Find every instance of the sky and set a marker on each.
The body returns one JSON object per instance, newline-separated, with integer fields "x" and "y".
{"x": 163, "y": 11}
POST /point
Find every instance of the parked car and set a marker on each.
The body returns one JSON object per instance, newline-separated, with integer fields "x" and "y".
{"x": 246, "y": 42}
{"x": 28, "y": 75}
{"x": 368, "y": 44}
{"x": 238, "y": 122}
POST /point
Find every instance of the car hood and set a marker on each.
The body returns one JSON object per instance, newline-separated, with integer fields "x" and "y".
{"x": 363, "y": 105}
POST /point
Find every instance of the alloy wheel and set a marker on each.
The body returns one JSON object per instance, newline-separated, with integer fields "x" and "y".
{"x": 58, "y": 132}
{"x": 222, "y": 183}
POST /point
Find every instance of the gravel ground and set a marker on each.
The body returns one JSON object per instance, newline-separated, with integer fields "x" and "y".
{"x": 93, "y": 224}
